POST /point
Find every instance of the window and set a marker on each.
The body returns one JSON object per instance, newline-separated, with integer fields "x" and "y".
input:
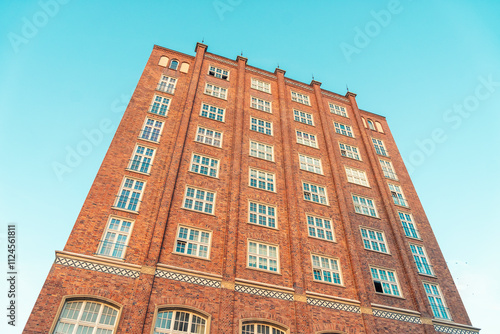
{"x": 218, "y": 72}
{"x": 83, "y": 316}
{"x": 397, "y": 195}
{"x": 193, "y": 242}
{"x": 160, "y": 105}
{"x": 364, "y": 206}
{"x": 130, "y": 194}
{"x": 262, "y": 256}
{"x": 326, "y": 269}
{"x": 314, "y": 193}
{"x": 173, "y": 65}
{"x": 385, "y": 281}
{"x": 300, "y": 98}
{"x": 261, "y": 151}
{"x": 262, "y": 180}
{"x": 216, "y": 91}
{"x": 420, "y": 257}
{"x": 199, "y": 200}
{"x": 310, "y": 164}
{"x": 303, "y": 117}
{"x": 212, "y": 112}
{"x": 261, "y": 85}
{"x": 204, "y": 165}
{"x": 343, "y": 129}
{"x": 379, "y": 147}
{"x": 258, "y": 328}
{"x": 151, "y": 130}
{"x": 373, "y": 240}
{"x": 260, "y": 104}
{"x": 306, "y": 139}
{"x": 209, "y": 137}
{"x": 438, "y": 305}
{"x": 356, "y": 176}
{"x": 175, "y": 321}
{"x": 408, "y": 226}
{"x": 339, "y": 110}
{"x": 320, "y": 228}
{"x": 115, "y": 238}
{"x": 167, "y": 84}
{"x": 387, "y": 169}
{"x": 370, "y": 125}
{"x": 142, "y": 159}
{"x": 262, "y": 214}
{"x": 349, "y": 151}
{"x": 261, "y": 126}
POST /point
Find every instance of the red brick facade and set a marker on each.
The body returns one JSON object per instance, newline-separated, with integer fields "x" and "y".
{"x": 152, "y": 274}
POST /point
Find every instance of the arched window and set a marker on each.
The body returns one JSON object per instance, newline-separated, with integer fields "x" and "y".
{"x": 260, "y": 328}
{"x": 163, "y": 61}
{"x": 174, "y": 64}
{"x": 180, "y": 321}
{"x": 379, "y": 127}
{"x": 370, "y": 125}
{"x": 86, "y": 316}
{"x": 184, "y": 67}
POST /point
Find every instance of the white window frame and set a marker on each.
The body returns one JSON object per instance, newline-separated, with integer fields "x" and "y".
{"x": 206, "y": 139}
{"x": 262, "y": 215}
{"x": 325, "y": 266}
{"x": 127, "y": 199}
{"x": 266, "y": 182}
{"x": 261, "y": 150}
{"x": 178, "y": 318}
{"x": 167, "y": 84}
{"x": 386, "y": 283}
{"x": 320, "y": 228}
{"x": 379, "y": 146}
{"x": 218, "y": 72}
{"x": 64, "y": 324}
{"x": 258, "y": 327}
{"x": 409, "y": 227}
{"x": 421, "y": 259}
{"x": 300, "y": 98}
{"x": 363, "y": 207}
{"x": 310, "y": 164}
{"x": 266, "y": 256}
{"x": 374, "y": 240}
{"x": 195, "y": 200}
{"x": 343, "y": 129}
{"x": 115, "y": 247}
{"x": 371, "y": 125}
{"x": 388, "y": 169}
{"x": 261, "y": 85}
{"x": 197, "y": 167}
{"x": 321, "y": 194}
{"x": 398, "y": 197}
{"x": 303, "y": 117}
{"x": 311, "y": 141}
{"x": 215, "y": 91}
{"x": 261, "y": 104}
{"x": 356, "y": 176}
{"x": 347, "y": 151}
{"x": 141, "y": 160}
{"x": 338, "y": 109}
{"x": 160, "y": 105}
{"x": 258, "y": 124}
{"x": 189, "y": 242}
{"x": 150, "y": 131}
{"x": 212, "y": 112}
{"x": 435, "y": 297}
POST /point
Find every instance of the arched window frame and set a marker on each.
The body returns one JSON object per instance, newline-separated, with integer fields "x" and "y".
{"x": 371, "y": 125}
{"x": 181, "y": 308}
{"x": 265, "y": 322}
{"x": 174, "y": 64}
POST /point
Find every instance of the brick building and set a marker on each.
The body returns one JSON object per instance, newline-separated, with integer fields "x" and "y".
{"x": 236, "y": 200}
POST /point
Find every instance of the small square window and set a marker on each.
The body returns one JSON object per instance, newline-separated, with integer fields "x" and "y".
{"x": 151, "y": 130}
{"x": 130, "y": 194}
{"x": 261, "y": 151}
{"x": 319, "y": 227}
{"x": 421, "y": 260}
{"x": 379, "y": 147}
{"x": 216, "y": 91}
{"x": 167, "y": 84}
{"x": 397, "y": 195}
{"x": 306, "y": 139}
{"x": 349, "y": 151}
{"x": 262, "y": 214}
{"x": 300, "y": 98}
{"x": 261, "y": 126}
{"x": 115, "y": 238}
{"x": 199, "y": 200}
{"x": 326, "y": 269}
{"x": 345, "y": 130}
{"x": 303, "y": 117}
{"x": 142, "y": 159}
{"x": 212, "y": 112}
{"x": 356, "y": 176}
{"x": 314, "y": 193}
{"x": 160, "y": 105}
{"x": 364, "y": 206}
{"x": 218, "y": 72}
{"x": 209, "y": 137}
{"x": 260, "y": 104}
{"x": 261, "y": 85}
{"x": 310, "y": 164}
{"x": 408, "y": 226}
{"x": 385, "y": 281}
{"x": 263, "y": 256}
{"x": 388, "y": 169}
{"x": 374, "y": 240}
{"x": 194, "y": 242}
{"x": 204, "y": 165}
{"x": 262, "y": 180}
{"x": 338, "y": 110}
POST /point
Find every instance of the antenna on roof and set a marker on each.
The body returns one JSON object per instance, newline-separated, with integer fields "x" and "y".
{"x": 242, "y": 53}
{"x": 347, "y": 87}
{"x": 203, "y": 40}
{"x": 278, "y": 65}
{"x": 313, "y": 75}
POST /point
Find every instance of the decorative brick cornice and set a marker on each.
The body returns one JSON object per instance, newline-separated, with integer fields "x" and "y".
{"x": 263, "y": 292}
{"x": 443, "y": 326}
{"x": 227, "y": 62}
{"x": 172, "y": 275}
{"x": 333, "y": 305}
{"x": 261, "y": 73}
{"x": 290, "y": 82}
{"x": 337, "y": 97}
{"x": 397, "y": 316}
{"x": 90, "y": 265}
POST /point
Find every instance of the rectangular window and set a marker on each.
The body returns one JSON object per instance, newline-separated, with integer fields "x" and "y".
{"x": 204, "y": 165}
{"x": 303, "y": 117}
{"x": 192, "y": 242}
{"x": 385, "y": 281}
{"x": 364, "y": 206}
{"x": 261, "y": 85}
{"x": 379, "y": 147}
{"x": 310, "y": 164}
{"x": 438, "y": 305}
{"x": 262, "y": 214}
{"x": 261, "y": 151}
{"x": 262, "y": 256}
{"x": 216, "y": 91}
{"x": 343, "y": 129}
{"x": 160, "y": 105}
{"x": 151, "y": 130}
{"x": 314, "y": 193}
{"x": 349, "y": 151}
{"x": 130, "y": 194}
{"x": 218, "y": 72}
{"x": 262, "y": 180}
{"x": 388, "y": 170}
{"x": 141, "y": 159}
{"x": 261, "y": 126}
{"x": 212, "y": 112}
{"x": 373, "y": 240}
{"x": 326, "y": 269}
{"x": 397, "y": 195}
{"x": 408, "y": 226}
{"x": 319, "y": 227}
{"x": 167, "y": 84}
{"x": 199, "y": 200}
{"x": 336, "y": 109}
{"x": 356, "y": 176}
{"x": 306, "y": 139}
{"x": 260, "y": 104}
{"x": 300, "y": 98}
{"x": 420, "y": 257}
{"x": 115, "y": 238}
{"x": 209, "y": 137}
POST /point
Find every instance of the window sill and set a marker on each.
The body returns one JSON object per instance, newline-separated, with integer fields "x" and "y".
{"x": 384, "y": 294}
{"x": 264, "y": 271}
{"x": 121, "y": 259}
{"x": 378, "y": 252}
{"x": 268, "y": 112}
{"x": 318, "y": 238}
{"x": 362, "y": 185}
{"x": 124, "y": 210}
{"x": 270, "y": 191}
{"x": 315, "y": 147}
{"x": 164, "y": 92}
{"x": 136, "y": 171}
{"x": 212, "y": 177}
{"x": 199, "y": 142}
{"x": 252, "y": 156}
{"x": 264, "y": 226}
{"x": 159, "y": 115}
{"x": 213, "y": 119}
{"x": 308, "y": 171}
{"x": 308, "y": 200}
{"x": 191, "y": 256}
{"x": 328, "y": 283}
{"x": 304, "y": 123}
{"x": 376, "y": 217}
{"x": 202, "y": 212}
{"x": 217, "y": 97}
{"x": 427, "y": 275}
{"x": 149, "y": 140}
{"x": 344, "y": 156}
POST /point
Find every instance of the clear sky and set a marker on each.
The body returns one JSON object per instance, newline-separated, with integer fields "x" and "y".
{"x": 432, "y": 68}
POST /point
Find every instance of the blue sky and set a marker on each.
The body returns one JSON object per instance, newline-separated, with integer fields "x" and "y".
{"x": 432, "y": 68}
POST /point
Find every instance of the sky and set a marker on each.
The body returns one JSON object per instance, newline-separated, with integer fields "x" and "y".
{"x": 68, "y": 67}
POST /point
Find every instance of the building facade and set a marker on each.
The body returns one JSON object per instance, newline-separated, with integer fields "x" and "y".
{"x": 236, "y": 200}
